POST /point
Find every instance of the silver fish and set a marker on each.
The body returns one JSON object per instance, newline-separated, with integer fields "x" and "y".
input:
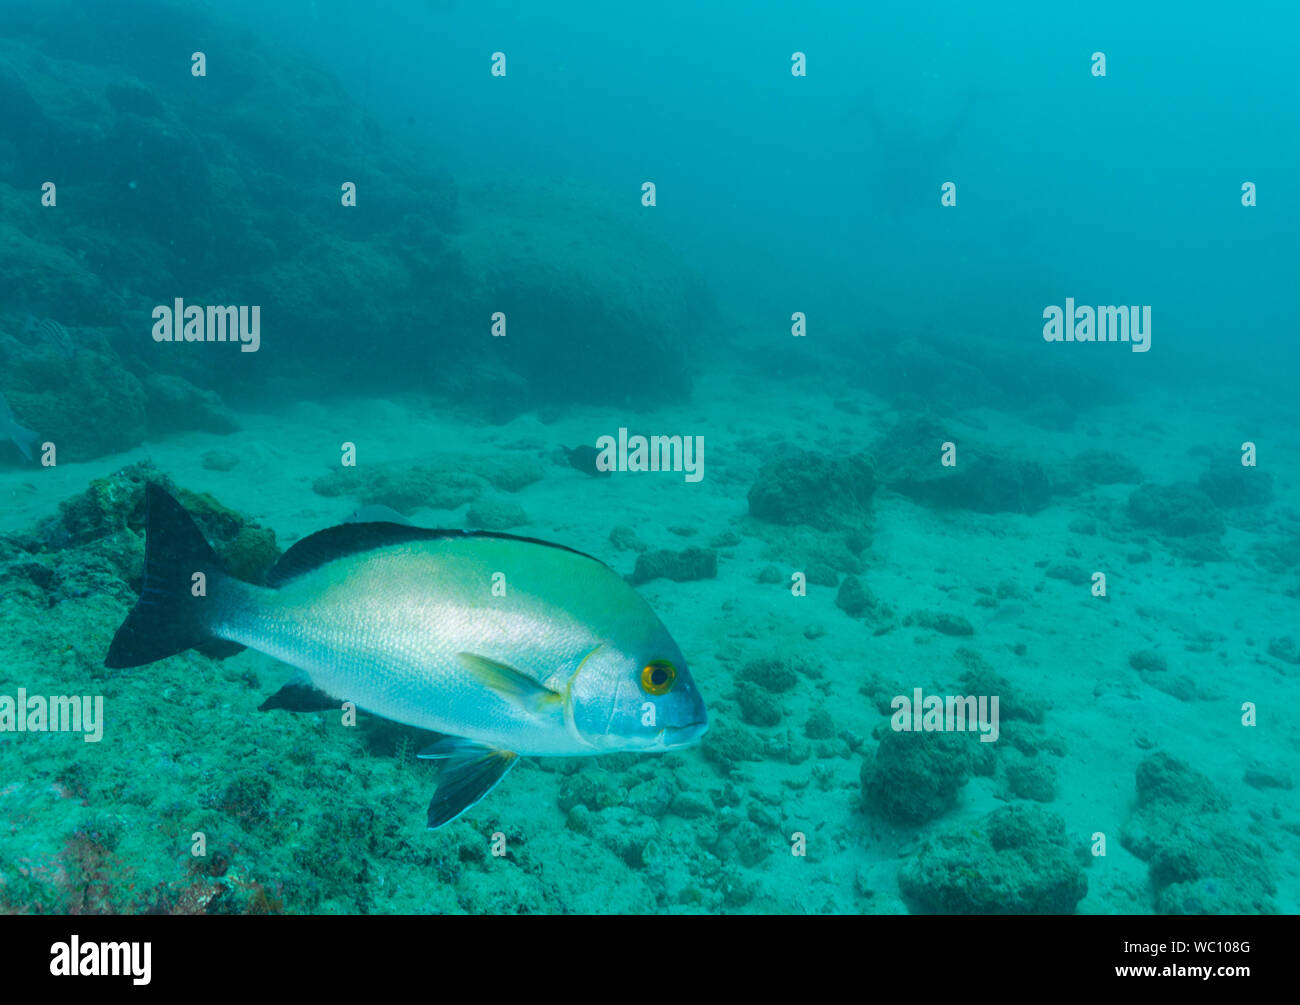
{"x": 23, "y": 438}
{"x": 375, "y": 513}
{"x": 507, "y": 645}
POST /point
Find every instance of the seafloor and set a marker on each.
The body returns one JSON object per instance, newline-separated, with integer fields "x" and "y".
{"x": 1121, "y": 716}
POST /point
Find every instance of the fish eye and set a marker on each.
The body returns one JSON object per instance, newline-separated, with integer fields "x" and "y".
{"x": 658, "y": 677}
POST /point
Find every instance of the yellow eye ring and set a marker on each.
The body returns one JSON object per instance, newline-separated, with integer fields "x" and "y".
{"x": 658, "y": 677}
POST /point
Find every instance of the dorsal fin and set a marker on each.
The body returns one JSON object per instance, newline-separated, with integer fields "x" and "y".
{"x": 326, "y": 545}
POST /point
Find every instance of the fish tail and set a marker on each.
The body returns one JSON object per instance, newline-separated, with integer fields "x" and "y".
{"x": 28, "y": 441}
{"x": 169, "y": 617}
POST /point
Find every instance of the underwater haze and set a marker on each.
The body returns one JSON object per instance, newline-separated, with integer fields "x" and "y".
{"x": 485, "y": 457}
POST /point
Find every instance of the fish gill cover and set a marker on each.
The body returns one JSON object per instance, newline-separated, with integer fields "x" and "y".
{"x": 917, "y": 431}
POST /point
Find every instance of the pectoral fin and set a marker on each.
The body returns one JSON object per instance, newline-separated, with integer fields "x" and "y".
{"x": 507, "y": 682}
{"x": 469, "y": 771}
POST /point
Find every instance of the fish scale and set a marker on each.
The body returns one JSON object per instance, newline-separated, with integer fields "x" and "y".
{"x": 394, "y": 651}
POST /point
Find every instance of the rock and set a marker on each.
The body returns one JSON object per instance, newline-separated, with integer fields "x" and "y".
{"x": 172, "y": 403}
{"x": 86, "y": 406}
{"x": 942, "y": 622}
{"x": 679, "y": 566}
{"x": 1236, "y": 485}
{"x": 987, "y": 484}
{"x": 820, "y": 490}
{"x": 1178, "y": 510}
{"x": 819, "y": 574}
{"x": 1032, "y": 778}
{"x": 1072, "y": 574}
{"x": 1013, "y": 704}
{"x": 819, "y": 725}
{"x": 727, "y": 744}
{"x": 653, "y": 796}
{"x": 403, "y": 488}
{"x": 853, "y": 597}
{"x": 1198, "y": 858}
{"x": 984, "y": 481}
{"x": 915, "y": 776}
{"x": 1147, "y": 661}
{"x": 1016, "y": 861}
{"x": 773, "y": 675}
{"x": 1261, "y": 776}
{"x": 579, "y": 819}
{"x": 449, "y": 483}
{"x": 758, "y": 708}
{"x": 690, "y": 805}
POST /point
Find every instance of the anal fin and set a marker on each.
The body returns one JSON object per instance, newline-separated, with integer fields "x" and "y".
{"x": 469, "y": 771}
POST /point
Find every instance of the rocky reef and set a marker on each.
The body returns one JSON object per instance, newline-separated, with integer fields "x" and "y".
{"x": 402, "y": 287}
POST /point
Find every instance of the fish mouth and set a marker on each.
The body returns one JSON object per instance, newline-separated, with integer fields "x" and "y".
{"x": 673, "y": 737}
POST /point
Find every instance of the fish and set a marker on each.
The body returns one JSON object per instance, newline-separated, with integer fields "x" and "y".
{"x": 23, "y": 438}
{"x": 54, "y": 333}
{"x": 506, "y": 646}
{"x": 910, "y": 159}
{"x": 1005, "y": 613}
{"x": 584, "y": 459}
{"x": 376, "y": 513}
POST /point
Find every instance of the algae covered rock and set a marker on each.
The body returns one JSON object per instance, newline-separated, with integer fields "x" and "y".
{"x": 88, "y": 406}
{"x": 758, "y": 708}
{"x": 727, "y": 744}
{"x": 1236, "y": 485}
{"x": 679, "y": 566}
{"x": 402, "y": 488}
{"x": 908, "y": 458}
{"x": 111, "y": 505}
{"x": 449, "y": 482}
{"x": 820, "y": 490}
{"x": 1177, "y": 510}
{"x": 854, "y": 597}
{"x": 95, "y": 546}
{"x": 916, "y": 776}
{"x": 982, "y": 482}
{"x": 1199, "y": 859}
{"x": 775, "y": 676}
{"x": 943, "y": 622}
{"x": 173, "y": 403}
{"x": 1017, "y": 860}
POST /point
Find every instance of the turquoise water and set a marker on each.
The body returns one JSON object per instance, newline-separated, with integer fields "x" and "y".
{"x": 973, "y": 339}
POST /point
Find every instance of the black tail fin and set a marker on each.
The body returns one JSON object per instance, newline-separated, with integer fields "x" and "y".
{"x": 168, "y": 618}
